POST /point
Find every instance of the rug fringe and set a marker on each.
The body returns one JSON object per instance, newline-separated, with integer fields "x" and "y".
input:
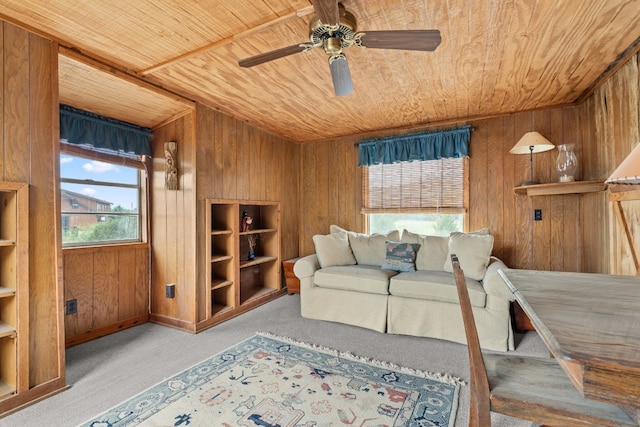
{"x": 444, "y": 378}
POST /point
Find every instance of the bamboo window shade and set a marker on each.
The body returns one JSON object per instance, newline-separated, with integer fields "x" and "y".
{"x": 431, "y": 186}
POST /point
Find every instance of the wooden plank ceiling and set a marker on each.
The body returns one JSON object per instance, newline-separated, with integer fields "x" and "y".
{"x": 496, "y": 57}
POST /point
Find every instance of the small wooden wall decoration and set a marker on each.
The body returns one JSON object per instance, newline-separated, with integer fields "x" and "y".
{"x": 171, "y": 165}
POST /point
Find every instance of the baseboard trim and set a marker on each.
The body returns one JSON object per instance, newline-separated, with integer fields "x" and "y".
{"x": 105, "y": 330}
{"x": 31, "y": 396}
{"x": 172, "y": 322}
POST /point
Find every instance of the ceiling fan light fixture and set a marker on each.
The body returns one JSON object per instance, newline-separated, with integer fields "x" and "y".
{"x": 345, "y": 29}
{"x": 340, "y": 33}
{"x": 332, "y": 46}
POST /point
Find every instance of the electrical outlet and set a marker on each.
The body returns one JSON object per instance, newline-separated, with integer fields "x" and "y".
{"x": 170, "y": 290}
{"x": 537, "y": 214}
{"x": 71, "y": 306}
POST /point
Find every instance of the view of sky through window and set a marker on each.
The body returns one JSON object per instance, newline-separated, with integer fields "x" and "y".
{"x": 85, "y": 169}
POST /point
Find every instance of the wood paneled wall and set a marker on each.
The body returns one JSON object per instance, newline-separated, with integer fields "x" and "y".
{"x": 219, "y": 157}
{"x": 173, "y": 226}
{"x": 236, "y": 160}
{"x": 574, "y": 234}
{"x": 611, "y": 132}
{"x": 332, "y": 191}
{"x": 28, "y": 153}
{"x": 111, "y": 287}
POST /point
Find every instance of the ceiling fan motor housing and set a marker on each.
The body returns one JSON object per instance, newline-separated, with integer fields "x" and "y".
{"x": 333, "y": 38}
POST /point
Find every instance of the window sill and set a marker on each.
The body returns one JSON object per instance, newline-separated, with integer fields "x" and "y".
{"x": 106, "y": 247}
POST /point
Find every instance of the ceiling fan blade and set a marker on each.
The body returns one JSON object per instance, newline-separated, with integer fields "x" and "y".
{"x": 270, "y": 56}
{"x": 327, "y": 11}
{"x": 425, "y": 40}
{"x": 341, "y": 76}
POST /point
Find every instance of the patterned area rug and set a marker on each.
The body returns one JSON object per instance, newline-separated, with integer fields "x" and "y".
{"x": 270, "y": 381}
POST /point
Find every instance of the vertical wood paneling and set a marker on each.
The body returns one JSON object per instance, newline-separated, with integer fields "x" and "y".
{"x": 78, "y": 285}
{"x": 111, "y": 286}
{"x": 495, "y": 199}
{"x": 2, "y": 102}
{"x": 141, "y": 280}
{"x": 126, "y": 284}
{"x": 613, "y": 131}
{"x": 506, "y": 248}
{"x": 44, "y": 262}
{"x": 229, "y": 159}
{"x": 16, "y": 107}
{"x": 28, "y": 151}
{"x": 174, "y": 225}
{"x": 105, "y": 289}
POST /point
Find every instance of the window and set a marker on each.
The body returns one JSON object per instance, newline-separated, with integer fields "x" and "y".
{"x": 425, "y": 197}
{"x": 100, "y": 197}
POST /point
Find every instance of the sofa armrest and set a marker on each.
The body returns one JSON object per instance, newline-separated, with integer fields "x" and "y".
{"x": 306, "y": 266}
{"x": 493, "y": 283}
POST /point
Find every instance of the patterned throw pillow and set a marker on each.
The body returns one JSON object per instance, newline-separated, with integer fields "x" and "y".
{"x": 401, "y": 256}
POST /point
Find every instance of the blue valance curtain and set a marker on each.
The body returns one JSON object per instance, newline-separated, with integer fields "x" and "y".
{"x": 81, "y": 127}
{"x": 435, "y": 145}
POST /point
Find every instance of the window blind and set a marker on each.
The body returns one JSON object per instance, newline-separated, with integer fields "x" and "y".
{"x": 419, "y": 186}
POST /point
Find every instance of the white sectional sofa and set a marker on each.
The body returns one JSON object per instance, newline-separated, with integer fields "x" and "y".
{"x": 371, "y": 282}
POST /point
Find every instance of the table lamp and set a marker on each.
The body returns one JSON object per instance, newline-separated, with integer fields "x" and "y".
{"x": 629, "y": 170}
{"x": 531, "y": 142}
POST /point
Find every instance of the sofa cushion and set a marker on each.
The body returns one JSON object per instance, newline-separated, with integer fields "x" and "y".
{"x": 473, "y": 251}
{"x": 435, "y": 286}
{"x": 433, "y": 250}
{"x": 401, "y": 256}
{"x": 360, "y": 278}
{"x": 368, "y": 249}
{"x": 333, "y": 249}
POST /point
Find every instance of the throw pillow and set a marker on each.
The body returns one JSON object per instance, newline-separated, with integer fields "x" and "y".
{"x": 473, "y": 251}
{"x": 433, "y": 250}
{"x": 333, "y": 249}
{"x": 400, "y": 256}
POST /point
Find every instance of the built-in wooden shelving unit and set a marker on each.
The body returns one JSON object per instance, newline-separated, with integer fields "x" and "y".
{"x": 558, "y": 188}
{"x": 235, "y": 282}
{"x": 14, "y": 290}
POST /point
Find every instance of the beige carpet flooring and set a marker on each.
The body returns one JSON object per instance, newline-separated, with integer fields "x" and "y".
{"x": 109, "y": 370}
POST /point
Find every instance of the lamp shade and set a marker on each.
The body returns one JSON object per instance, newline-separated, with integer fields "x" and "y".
{"x": 629, "y": 170}
{"x": 532, "y": 139}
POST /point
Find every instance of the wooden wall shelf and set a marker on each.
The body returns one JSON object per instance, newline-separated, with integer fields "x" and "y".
{"x": 558, "y": 188}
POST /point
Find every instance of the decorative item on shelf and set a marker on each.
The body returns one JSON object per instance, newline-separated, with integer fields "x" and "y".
{"x": 171, "y": 165}
{"x": 252, "y": 239}
{"x": 629, "y": 170}
{"x": 246, "y": 222}
{"x": 567, "y": 163}
{"x": 531, "y": 142}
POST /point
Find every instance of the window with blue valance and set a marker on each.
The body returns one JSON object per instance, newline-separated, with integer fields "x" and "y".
{"x": 82, "y": 127}
{"x": 434, "y": 145}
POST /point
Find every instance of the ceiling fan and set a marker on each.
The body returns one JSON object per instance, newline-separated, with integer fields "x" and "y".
{"x": 333, "y": 28}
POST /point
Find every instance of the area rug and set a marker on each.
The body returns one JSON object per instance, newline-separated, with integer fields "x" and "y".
{"x": 271, "y": 381}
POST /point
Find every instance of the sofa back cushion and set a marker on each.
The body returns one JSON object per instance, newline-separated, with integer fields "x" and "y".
{"x": 473, "y": 251}
{"x": 433, "y": 250}
{"x": 368, "y": 249}
{"x": 333, "y": 249}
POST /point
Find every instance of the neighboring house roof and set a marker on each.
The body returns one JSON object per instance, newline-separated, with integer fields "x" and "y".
{"x": 66, "y": 194}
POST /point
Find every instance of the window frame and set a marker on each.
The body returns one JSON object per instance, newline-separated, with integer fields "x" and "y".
{"x": 128, "y": 160}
